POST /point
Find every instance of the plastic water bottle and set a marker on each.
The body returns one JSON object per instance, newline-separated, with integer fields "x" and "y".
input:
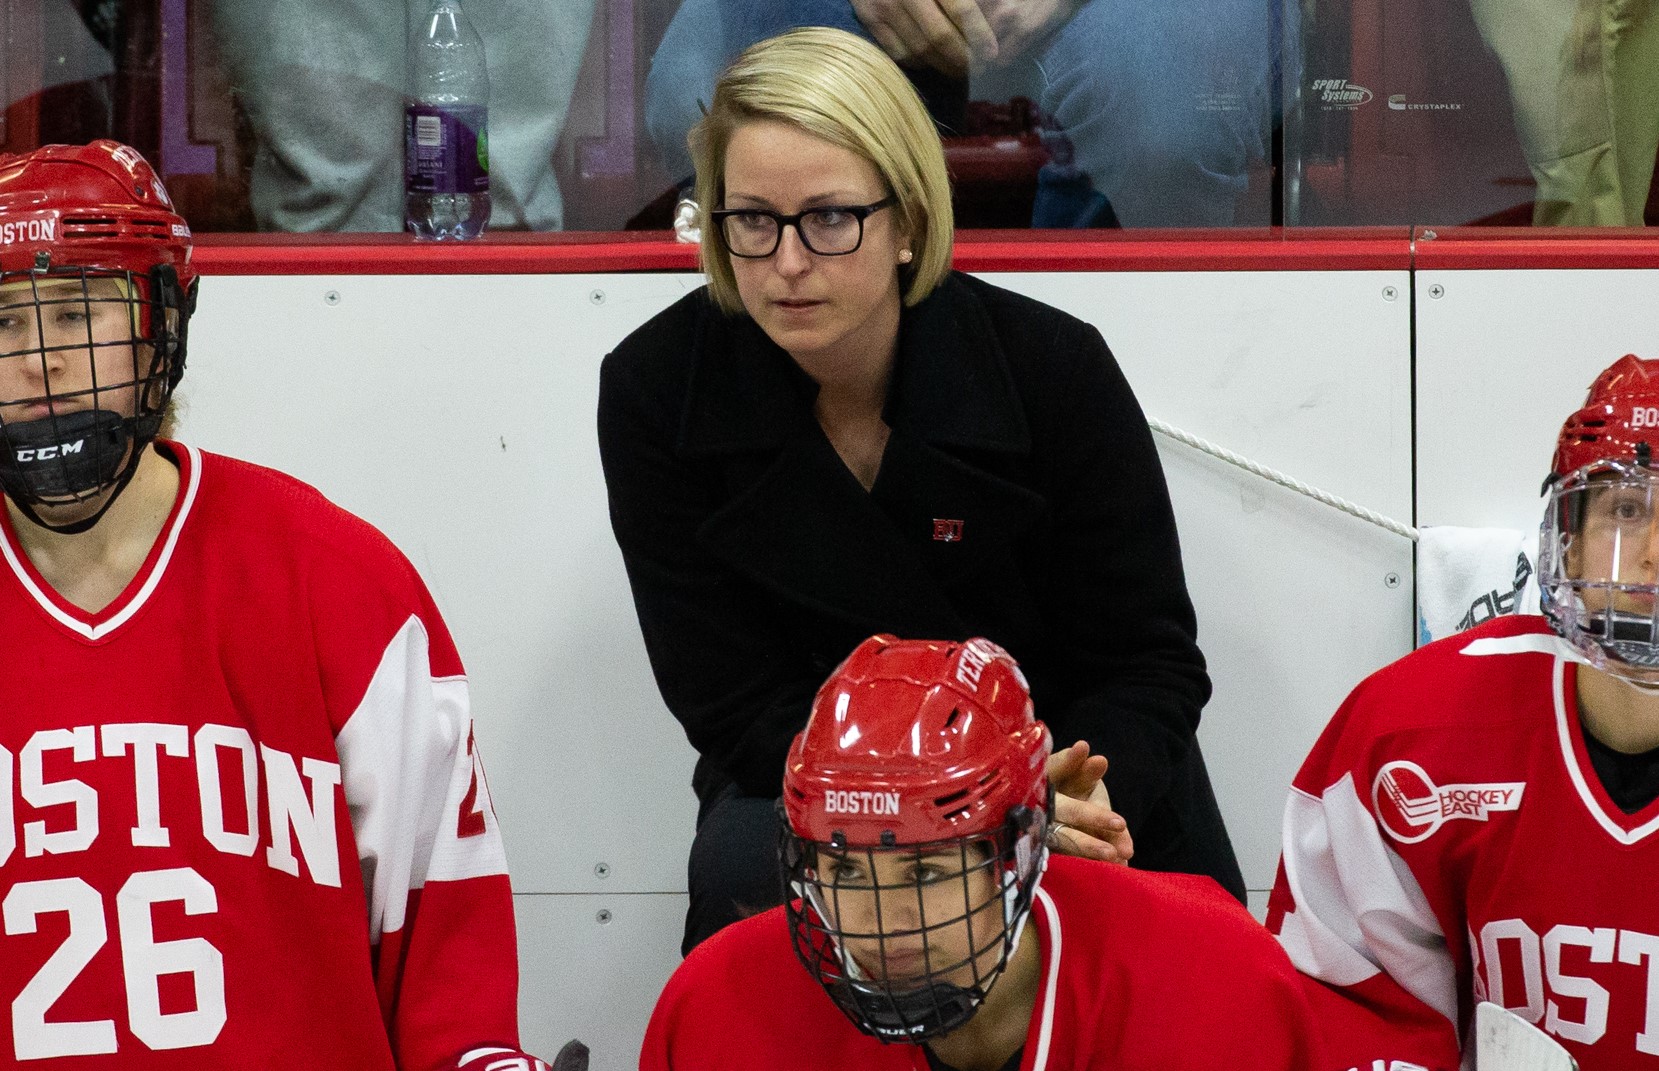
{"x": 446, "y": 162}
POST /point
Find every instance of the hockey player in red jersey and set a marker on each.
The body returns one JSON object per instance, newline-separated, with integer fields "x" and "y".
{"x": 931, "y": 929}
{"x": 1480, "y": 821}
{"x": 242, "y": 820}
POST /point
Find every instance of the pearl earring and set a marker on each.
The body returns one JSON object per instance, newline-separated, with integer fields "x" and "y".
{"x": 904, "y": 256}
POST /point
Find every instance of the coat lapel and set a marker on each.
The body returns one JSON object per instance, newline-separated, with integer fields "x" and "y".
{"x": 959, "y": 433}
{"x": 806, "y": 530}
{"x": 745, "y": 394}
{"x": 959, "y": 517}
{"x": 798, "y": 523}
{"x": 951, "y": 386}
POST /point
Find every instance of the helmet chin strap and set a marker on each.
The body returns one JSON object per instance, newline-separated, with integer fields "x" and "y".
{"x": 85, "y": 523}
{"x": 1610, "y": 667}
{"x": 1014, "y": 916}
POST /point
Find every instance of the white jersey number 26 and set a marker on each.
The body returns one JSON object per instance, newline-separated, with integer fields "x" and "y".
{"x": 144, "y": 960}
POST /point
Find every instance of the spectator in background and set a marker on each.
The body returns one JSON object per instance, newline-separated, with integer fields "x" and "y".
{"x": 323, "y": 83}
{"x": 1157, "y": 109}
{"x": 1584, "y": 80}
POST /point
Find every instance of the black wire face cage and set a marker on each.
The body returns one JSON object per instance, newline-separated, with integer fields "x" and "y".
{"x": 1614, "y": 619}
{"x": 896, "y": 960}
{"x": 88, "y": 360}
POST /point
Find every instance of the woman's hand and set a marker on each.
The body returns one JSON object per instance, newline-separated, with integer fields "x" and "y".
{"x": 948, "y": 35}
{"x": 1083, "y": 822}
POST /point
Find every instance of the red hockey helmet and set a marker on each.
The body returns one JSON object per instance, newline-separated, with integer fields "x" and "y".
{"x": 89, "y": 206}
{"x": 926, "y": 752}
{"x": 1601, "y": 526}
{"x": 1619, "y": 420}
{"x": 94, "y": 266}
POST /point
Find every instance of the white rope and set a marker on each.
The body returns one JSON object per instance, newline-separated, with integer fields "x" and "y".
{"x": 1282, "y": 480}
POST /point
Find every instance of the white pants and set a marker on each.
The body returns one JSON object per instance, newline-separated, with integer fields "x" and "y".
{"x": 323, "y": 83}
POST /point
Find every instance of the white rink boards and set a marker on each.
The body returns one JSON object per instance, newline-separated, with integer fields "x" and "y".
{"x": 1502, "y": 358}
{"x": 457, "y": 413}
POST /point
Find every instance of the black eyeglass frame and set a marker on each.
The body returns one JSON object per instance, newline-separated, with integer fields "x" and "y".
{"x": 859, "y": 212}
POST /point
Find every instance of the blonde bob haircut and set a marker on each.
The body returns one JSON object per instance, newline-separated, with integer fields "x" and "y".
{"x": 839, "y": 87}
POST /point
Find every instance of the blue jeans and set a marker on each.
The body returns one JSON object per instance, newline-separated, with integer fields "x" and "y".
{"x": 1159, "y": 108}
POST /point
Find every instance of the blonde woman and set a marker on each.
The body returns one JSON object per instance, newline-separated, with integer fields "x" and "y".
{"x": 839, "y": 436}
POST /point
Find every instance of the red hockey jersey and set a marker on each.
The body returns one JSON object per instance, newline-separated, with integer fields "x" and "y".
{"x": 242, "y": 823}
{"x": 1447, "y": 841}
{"x": 1141, "y": 972}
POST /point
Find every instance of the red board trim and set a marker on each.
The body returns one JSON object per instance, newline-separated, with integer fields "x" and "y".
{"x": 567, "y": 253}
{"x": 1527, "y": 248}
{"x": 1277, "y": 249}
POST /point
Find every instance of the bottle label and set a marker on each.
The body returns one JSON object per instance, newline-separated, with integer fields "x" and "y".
{"x": 446, "y": 148}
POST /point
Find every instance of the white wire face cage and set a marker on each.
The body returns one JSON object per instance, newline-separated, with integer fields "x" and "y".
{"x": 879, "y": 947}
{"x": 89, "y": 358}
{"x": 1598, "y": 551}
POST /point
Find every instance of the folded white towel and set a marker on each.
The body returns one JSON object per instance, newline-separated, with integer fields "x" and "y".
{"x": 1466, "y": 576}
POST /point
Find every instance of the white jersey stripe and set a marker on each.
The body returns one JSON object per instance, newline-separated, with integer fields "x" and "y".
{"x": 1564, "y": 735}
{"x": 1359, "y": 910}
{"x": 1322, "y": 936}
{"x": 1551, "y": 644}
{"x": 99, "y": 631}
{"x": 1529, "y": 643}
{"x": 1045, "y": 1032}
{"x": 407, "y": 768}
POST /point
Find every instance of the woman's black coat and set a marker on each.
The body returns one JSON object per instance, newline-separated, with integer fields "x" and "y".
{"x": 1019, "y": 498}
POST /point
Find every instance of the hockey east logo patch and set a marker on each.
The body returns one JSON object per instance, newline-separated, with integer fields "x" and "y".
{"x": 1411, "y": 807}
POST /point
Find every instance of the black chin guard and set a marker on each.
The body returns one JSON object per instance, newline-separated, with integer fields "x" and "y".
{"x": 60, "y": 460}
{"x": 934, "y": 1009}
{"x": 63, "y": 458}
{"x": 1628, "y": 638}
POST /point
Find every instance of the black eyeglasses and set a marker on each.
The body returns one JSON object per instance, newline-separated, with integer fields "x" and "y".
{"x": 830, "y": 231}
